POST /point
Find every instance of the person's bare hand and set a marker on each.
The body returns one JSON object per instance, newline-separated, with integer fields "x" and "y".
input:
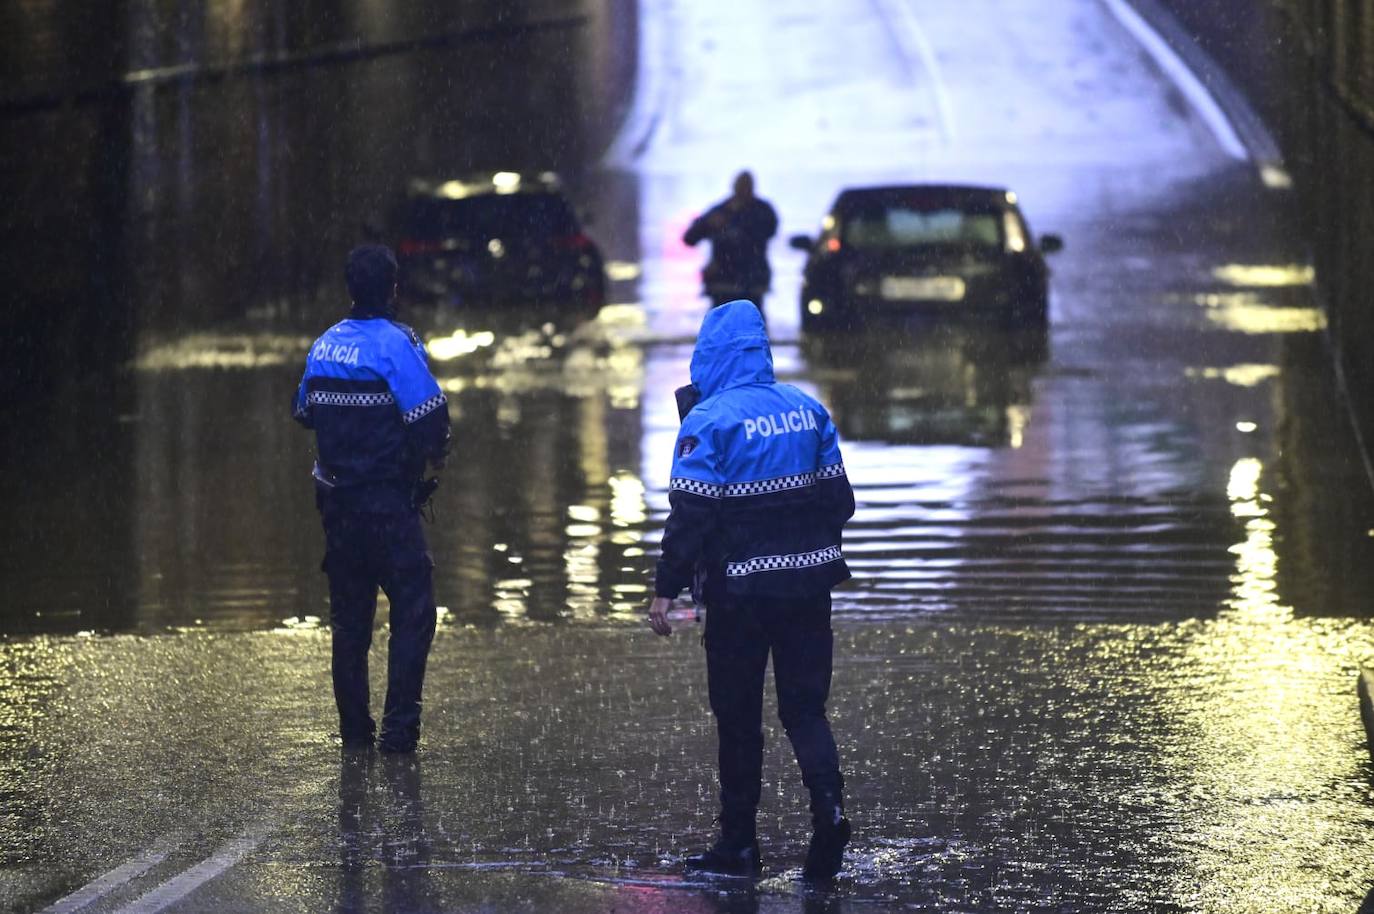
{"x": 658, "y": 615}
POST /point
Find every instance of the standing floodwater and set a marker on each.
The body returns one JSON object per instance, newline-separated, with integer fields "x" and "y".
{"x": 1111, "y": 577}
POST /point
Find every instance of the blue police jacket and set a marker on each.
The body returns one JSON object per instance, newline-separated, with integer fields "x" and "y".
{"x": 758, "y": 489}
{"x": 377, "y": 412}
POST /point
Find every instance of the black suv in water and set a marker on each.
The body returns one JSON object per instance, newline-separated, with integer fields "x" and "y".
{"x": 937, "y": 249}
{"x": 504, "y": 239}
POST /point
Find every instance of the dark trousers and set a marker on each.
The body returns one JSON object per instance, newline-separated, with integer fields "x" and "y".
{"x": 739, "y": 638}
{"x": 364, "y": 552}
{"x": 755, "y": 295}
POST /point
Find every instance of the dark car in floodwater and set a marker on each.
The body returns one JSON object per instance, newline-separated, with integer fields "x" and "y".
{"x": 943, "y": 250}
{"x": 504, "y": 239}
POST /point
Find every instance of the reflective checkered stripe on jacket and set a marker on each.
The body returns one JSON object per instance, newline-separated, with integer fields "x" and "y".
{"x": 783, "y": 562}
{"x": 418, "y": 412}
{"x": 767, "y": 496}
{"x": 344, "y": 398}
{"x": 755, "y": 487}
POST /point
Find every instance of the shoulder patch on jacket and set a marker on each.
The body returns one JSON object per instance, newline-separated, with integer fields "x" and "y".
{"x": 408, "y": 331}
{"x": 686, "y": 445}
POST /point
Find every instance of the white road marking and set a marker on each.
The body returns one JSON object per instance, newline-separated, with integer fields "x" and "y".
{"x": 187, "y": 881}
{"x": 1184, "y": 78}
{"x": 906, "y": 28}
{"x": 103, "y": 885}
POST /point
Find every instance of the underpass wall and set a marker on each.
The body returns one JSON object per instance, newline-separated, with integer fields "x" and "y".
{"x": 1307, "y": 67}
{"x": 171, "y": 165}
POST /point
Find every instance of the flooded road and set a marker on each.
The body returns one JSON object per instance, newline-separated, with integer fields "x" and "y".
{"x": 1111, "y": 581}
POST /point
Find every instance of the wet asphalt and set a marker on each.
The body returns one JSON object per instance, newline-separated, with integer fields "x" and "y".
{"x": 1111, "y": 581}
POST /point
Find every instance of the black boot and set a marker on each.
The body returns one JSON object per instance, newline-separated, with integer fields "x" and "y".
{"x": 829, "y": 835}
{"x": 735, "y": 853}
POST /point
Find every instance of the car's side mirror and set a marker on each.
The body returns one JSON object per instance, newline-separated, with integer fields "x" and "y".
{"x": 1051, "y": 243}
{"x": 801, "y": 242}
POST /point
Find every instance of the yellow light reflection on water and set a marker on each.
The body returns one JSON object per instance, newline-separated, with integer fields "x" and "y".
{"x": 1018, "y": 417}
{"x": 623, "y": 314}
{"x": 1265, "y": 275}
{"x": 300, "y": 624}
{"x": 582, "y": 567}
{"x": 1259, "y": 739}
{"x": 1244, "y": 375}
{"x": 1253, "y": 585}
{"x": 222, "y": 351}
{"x": 622, "y": 270}
{"x": 628, "y": 508}
{"x": 1245, "y": 312}
{"x": 510, "y": 596}
{"x": 625, "y": 368}
{"x": 459, "y": 343}
{"x": 1270, "y": 320}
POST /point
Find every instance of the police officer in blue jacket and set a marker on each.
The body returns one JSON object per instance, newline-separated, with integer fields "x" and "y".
{"x": 380, "y": 422}
{"x": 759, "y": 497}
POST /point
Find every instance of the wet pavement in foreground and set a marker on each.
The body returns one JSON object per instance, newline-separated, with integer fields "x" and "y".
{"x": 1105, "y": 766}
{"x": 1111, "y": 585}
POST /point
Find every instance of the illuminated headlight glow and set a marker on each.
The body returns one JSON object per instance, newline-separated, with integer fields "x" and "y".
{"x": 815, "y": 306}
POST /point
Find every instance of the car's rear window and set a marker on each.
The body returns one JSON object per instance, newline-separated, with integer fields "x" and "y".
{"x": 899, "y": 225}
{"x": 493, "y": 216}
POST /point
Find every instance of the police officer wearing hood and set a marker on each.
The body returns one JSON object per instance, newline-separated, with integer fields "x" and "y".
{"x": 380, "y": 421}
{"x": 759, "y": 497}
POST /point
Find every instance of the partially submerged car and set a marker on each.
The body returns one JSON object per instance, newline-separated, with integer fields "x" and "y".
{"x": 934, "y": 249}
{"x": 505, "y": 239}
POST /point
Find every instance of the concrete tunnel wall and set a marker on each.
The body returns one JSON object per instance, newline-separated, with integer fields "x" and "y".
{"x": 1307, "y": 67}
{"x": 168, "y": 165}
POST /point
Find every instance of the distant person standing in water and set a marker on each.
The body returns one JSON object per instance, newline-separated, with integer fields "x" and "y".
{"x": 380, "y": 421}
{"x": 738, "y": 229}
{"x": 758, "y": 499}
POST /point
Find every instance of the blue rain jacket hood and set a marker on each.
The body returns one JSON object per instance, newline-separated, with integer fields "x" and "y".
{"x": 732, "y": 349}
{"x": 758, "y": 490}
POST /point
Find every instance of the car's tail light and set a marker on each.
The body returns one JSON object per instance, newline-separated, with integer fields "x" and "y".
{"x": 409, "y": 247}
{"x": 578, "y": 242}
